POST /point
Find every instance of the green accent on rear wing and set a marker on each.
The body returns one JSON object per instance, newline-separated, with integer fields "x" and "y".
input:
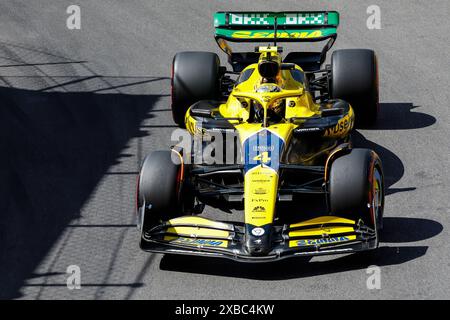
{"x": 292, "y": 26}
{"x": 282, "y": 35}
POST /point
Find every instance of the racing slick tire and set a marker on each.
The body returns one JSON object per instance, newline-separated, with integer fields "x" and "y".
{"x": 158, "y": 187}
{"x": 354, "y": 78}
{"x": 195, "y": 77}
{"x": 356, "y": 187}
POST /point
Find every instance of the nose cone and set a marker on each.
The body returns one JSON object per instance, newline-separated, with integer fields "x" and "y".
{"x": 258, "y": 240}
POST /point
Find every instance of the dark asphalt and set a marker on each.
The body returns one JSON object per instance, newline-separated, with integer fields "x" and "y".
{"x": 80, "y": 109}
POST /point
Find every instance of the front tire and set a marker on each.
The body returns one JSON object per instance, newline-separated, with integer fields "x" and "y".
{"x": 356, "y": 187}
{"x": 158, "y": 190}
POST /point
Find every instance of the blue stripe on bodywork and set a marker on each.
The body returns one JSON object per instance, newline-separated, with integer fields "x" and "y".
{"x": 262, "y": 141}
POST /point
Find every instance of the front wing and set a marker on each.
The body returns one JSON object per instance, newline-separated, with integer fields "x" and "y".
{"x": 193, "y": 235}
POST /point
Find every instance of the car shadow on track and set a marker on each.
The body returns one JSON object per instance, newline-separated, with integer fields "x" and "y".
{"x": 412, "y": 230}
{"x": 56, "y": 147}
{"x": 393, "y": 167}
{"x": 401, "y": 116}
{"x": 393, "y": 116}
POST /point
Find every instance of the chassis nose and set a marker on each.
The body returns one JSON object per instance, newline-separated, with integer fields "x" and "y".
{"x": 258, "y": 240}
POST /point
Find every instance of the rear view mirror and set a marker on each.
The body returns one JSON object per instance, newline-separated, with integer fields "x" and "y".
{"x": 287, "y": 66}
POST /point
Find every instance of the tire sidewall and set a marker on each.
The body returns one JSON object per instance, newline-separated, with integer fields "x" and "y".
{"x": 355, "y": 79}
{"x": 195, "y": 77}
{"x": 158, "y": 186}
{"x": 351, "y": 186}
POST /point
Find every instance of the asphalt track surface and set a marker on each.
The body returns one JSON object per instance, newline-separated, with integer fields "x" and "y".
{"x": 79, "y": 110}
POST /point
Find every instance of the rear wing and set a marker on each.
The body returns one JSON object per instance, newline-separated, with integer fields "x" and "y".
{"x": 286, "y": 26}
{"x": 294, "y": 26}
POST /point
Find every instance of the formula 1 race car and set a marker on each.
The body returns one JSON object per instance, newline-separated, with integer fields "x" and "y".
{"x": 293, "y": 120}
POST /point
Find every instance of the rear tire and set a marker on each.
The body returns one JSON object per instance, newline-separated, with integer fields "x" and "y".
{"x": 354, "y": 78}
{"x": 195, "y": 77}
{"x": 356, "y": 181}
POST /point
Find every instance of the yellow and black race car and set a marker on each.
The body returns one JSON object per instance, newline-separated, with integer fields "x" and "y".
{"x": 302, "y": 187}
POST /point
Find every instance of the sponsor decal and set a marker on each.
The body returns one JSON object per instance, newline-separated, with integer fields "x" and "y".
{"x": 263, "y": 148}
{"x": 198, "y": 242}
{"x": 259, "y": 209}
{"x": 260, "y": 191}
{"x": 314, "y": 242}
{"x": 257, "y": 232}
{"x": 249, "y": 19}
{"x": 342, "y": 126}
{"x": 261, "y": 180}
{"x": 312, "y": 18}
{"x": 298, "y": 130}
{"x": 220, "y": 130}
{"x": 260, "y": 200}
{"x": 280, "y": 34}
{"x": 305, "y": 18}
{"x": 262, "y": 173}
